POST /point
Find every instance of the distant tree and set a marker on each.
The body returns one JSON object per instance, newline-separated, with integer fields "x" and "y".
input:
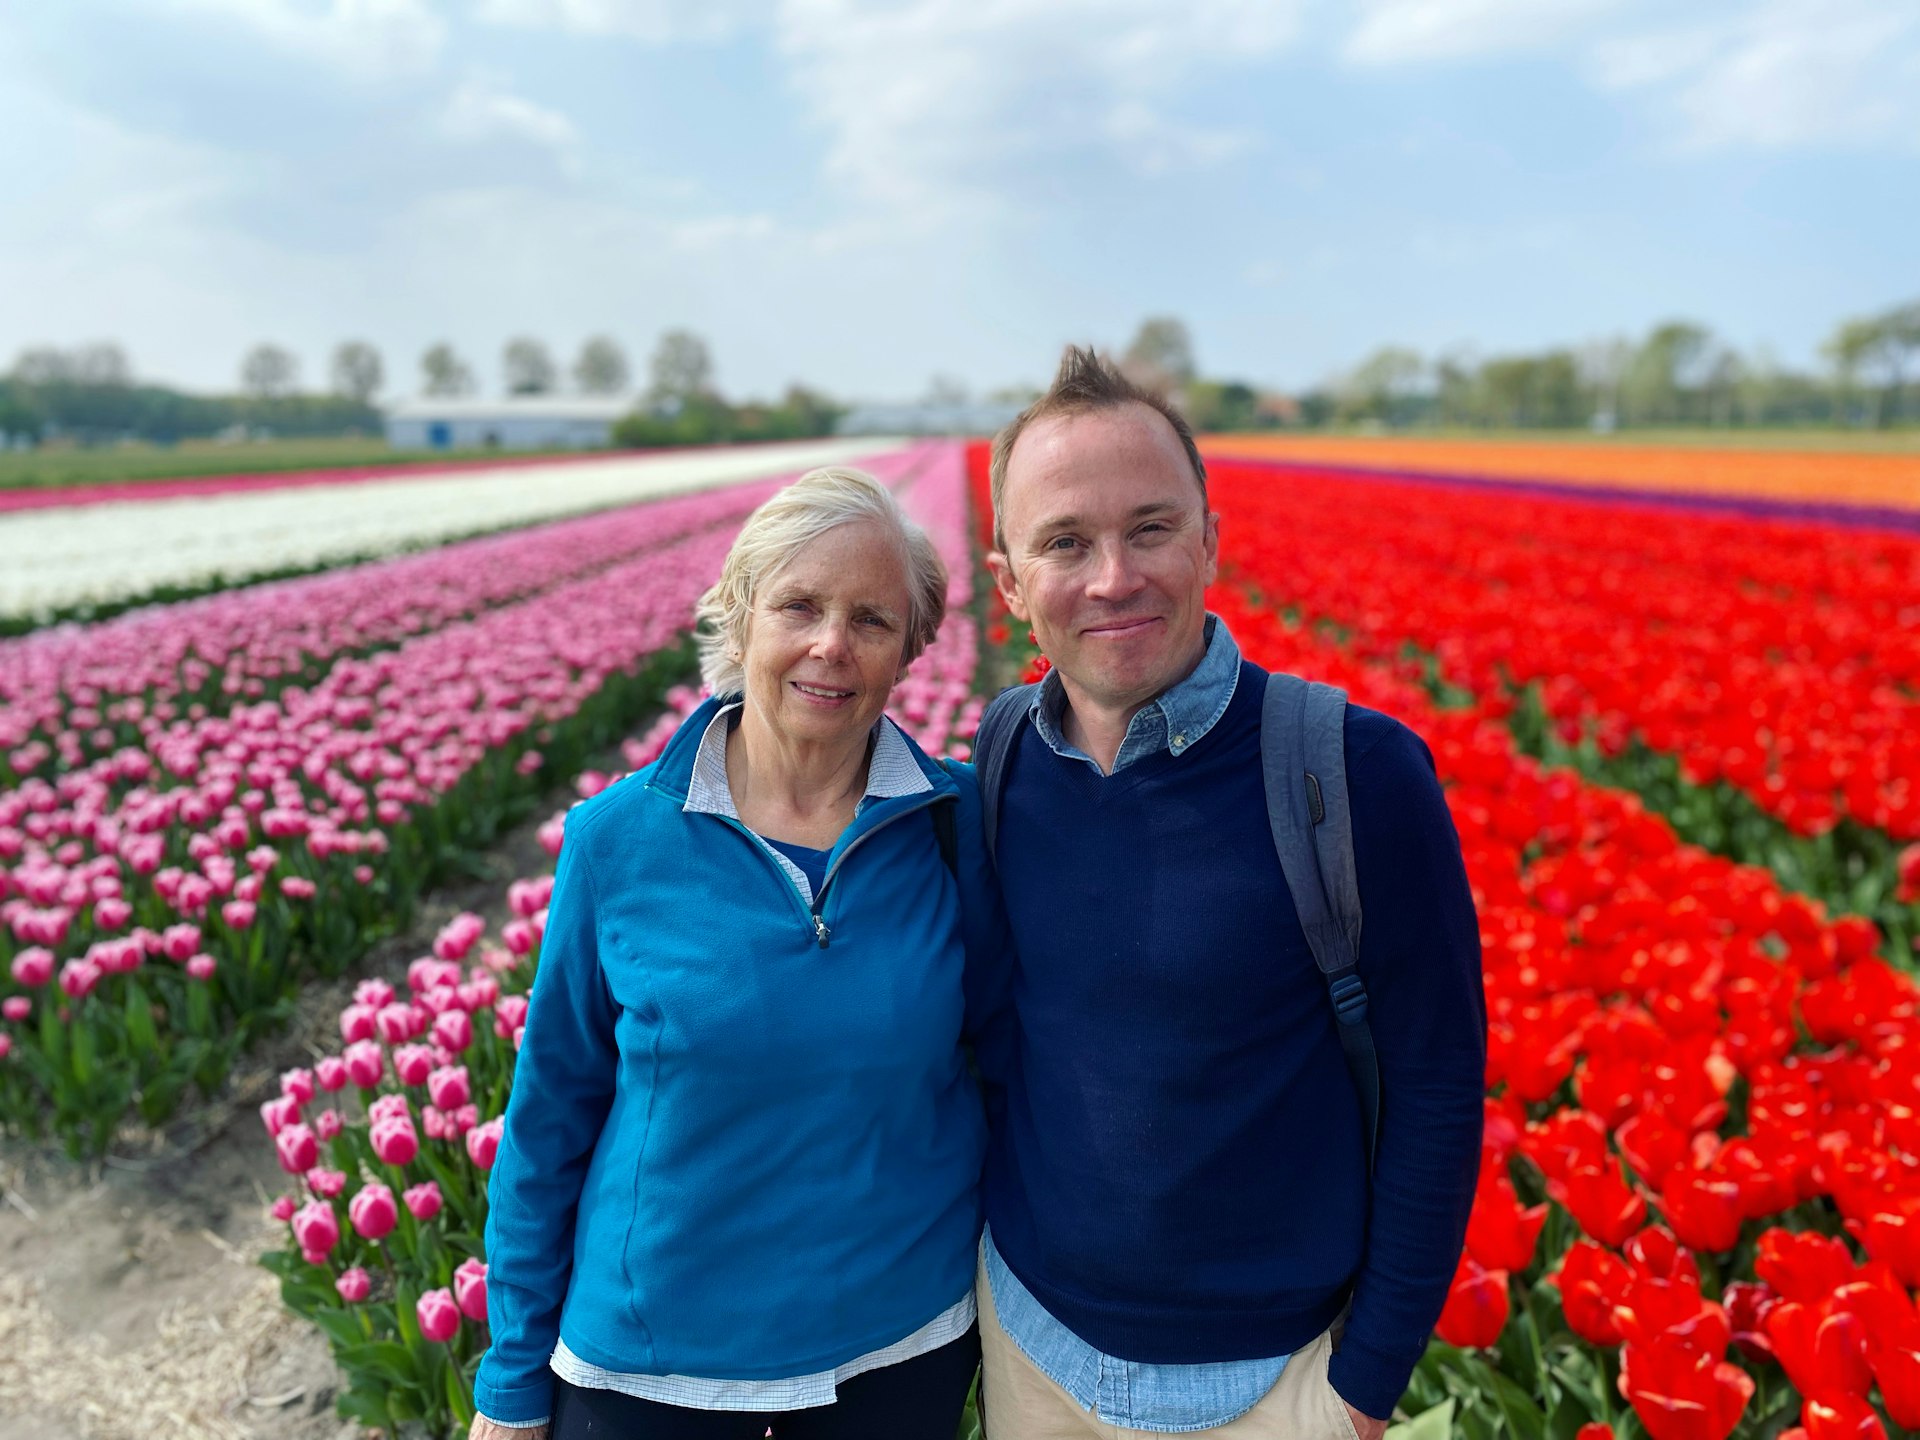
{"x": 357, "y": 371}
{"x": 43, "y": 365}
{"x": 444, "y": 374}
{"x": 269, "y": 372}
{"x": 1666, "y": 366}
{"x": 1160, "y": 354}
{"x": 19, "y": 418}
{"x": 1603, "y": 366}
{"x": 601, "y": 368}
{"x": 529, "y": 368}
{"x": 680, "y": 371}
{"x": 812, "y": 413}
{"x": 1878, "y": 348}
{"x": 1381, "y": 386}
{"x": 1221, "y": 405}
{"x": 101, "y": 363}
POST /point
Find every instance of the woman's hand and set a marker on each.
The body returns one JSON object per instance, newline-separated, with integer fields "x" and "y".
{"x": 485, "y": 1429}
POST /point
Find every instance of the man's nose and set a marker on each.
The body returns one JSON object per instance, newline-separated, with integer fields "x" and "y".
{"x": 1115, "y": 575}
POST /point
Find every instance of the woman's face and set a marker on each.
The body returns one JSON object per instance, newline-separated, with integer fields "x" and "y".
{"x": 827, "y": 635}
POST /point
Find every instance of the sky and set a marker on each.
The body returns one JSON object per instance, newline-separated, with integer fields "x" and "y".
{"x": 864, "y": 194}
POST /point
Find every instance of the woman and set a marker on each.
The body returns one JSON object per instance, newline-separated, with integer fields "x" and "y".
{"x": 737, "y": 1187}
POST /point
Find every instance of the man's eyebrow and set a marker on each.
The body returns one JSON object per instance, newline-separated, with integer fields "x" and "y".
{"x": 1139, "y": 512}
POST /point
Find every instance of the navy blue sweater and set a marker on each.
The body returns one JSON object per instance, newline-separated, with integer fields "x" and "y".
{"x": 1180, "y": 1177}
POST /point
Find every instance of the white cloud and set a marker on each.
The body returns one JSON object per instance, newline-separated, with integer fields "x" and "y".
{"x": 928, "y": 106}
{"x": 482, "y": 109}
{"x": 1393, "y": 32}
{"x": 1786, "y": 74}
{"x": 655, "y": 22}
{"x": 364, "y": 39}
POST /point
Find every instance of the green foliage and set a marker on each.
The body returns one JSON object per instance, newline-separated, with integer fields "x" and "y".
{"x": 706, "y": 419}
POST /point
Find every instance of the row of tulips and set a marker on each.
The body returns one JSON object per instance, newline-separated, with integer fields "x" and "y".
{"x": 79, "y": 695}
{"x": 160, "y": 915}
{"x": 387, "y": 1141}
{"x": 1759, "y": 680}
{"x": 80, "y": 560}
{"x": 1697, "y": 1206}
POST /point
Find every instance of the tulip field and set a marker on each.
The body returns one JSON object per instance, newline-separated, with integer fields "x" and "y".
{"x": 1681, "y": 744}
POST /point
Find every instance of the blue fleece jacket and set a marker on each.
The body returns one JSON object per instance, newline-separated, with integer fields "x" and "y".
{"x": 731, "y": 1150}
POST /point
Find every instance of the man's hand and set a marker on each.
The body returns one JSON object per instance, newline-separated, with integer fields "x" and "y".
{"x": 484, "y": 1429}
{"x": 1366, "y": 1426}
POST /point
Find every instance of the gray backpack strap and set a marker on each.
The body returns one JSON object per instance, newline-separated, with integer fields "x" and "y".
{"x": 993, "y": 744}
{"x": 1303, "y": 757}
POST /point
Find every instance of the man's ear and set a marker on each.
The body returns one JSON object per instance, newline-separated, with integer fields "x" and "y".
{"x": 1213, "y": 545}
{"x": 1008, "y": 585}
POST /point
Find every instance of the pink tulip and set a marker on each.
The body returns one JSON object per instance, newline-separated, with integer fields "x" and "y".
{"x": 278, "y": 1113}
{"x": 413, "y": 1064}
{"x": 395, "y": 1023}
{"x": 330, "y": 1073}
{"x": 297, "y": 1148}
{"x": 373, "y": 1211}
{"x": 16, "y": 1007}
{"x": 365, "y": 1063}
{"x": 463, "y": 1119}
{"x": 111, "y": 914}
{"x": 363, "y": 874}
{"x": 238, "y": 914}
{"x": 178, "y": 942}
{"x": 422, "y": 1200}
{"x": 283, "y": 1208}
{"x": 6, "y": 1044}
{"x": 394, "y": 1141}
{"x": 453, "y": 1030}
{"x": 483, "y": 1142}
{"x": 509, "y": 1014}
{"x": 298, "y": 1084}
{"x": 315, "y": 1229}
{"x": 439, "y": 1317}
{"x": 448, "y": 1087}
{"x": 262, "y": 858}
{"x": 325, "y": 1183}
{"x": 373, "y": 994}
{"x": 78, "y": 977}
{"x": 327, "y": 1124}
{"x": 357, "y": 1023}
{"x": 200, "y": 967}
{"x": 435, "y": 1124}
{"x": 249, "y": 888}
{"x": 33, "y": 966}
{"x": 354, "y": 1285}
{"x": 298, "y": 887}
{"x": 518, "y": 936}
{"x": 458, "y": 935}
{"x": 470, "y": 1289}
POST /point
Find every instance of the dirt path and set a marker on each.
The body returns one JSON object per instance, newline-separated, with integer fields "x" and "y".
{"x": 131, "y": 1306}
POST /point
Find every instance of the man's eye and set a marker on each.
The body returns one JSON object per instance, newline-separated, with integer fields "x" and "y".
{"x": 1061, "y": 542}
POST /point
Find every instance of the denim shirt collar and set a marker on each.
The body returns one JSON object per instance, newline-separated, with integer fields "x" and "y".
{"x": 1174, "y": 721}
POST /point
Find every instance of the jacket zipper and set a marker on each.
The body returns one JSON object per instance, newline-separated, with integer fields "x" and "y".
{"x": 822, "y": 933}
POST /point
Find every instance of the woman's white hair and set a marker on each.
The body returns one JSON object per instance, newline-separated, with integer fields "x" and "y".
{"x": 780, "y": 529}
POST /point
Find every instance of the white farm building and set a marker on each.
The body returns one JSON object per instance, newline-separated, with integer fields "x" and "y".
{"x": 522, "y": 422}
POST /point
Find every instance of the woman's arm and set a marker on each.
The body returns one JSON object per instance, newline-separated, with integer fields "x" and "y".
{"x": 562, "y": 1088}
{"x": 988, "y": 1028}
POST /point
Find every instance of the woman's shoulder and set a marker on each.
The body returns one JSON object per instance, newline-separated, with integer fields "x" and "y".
{"x": 611, "y": 819}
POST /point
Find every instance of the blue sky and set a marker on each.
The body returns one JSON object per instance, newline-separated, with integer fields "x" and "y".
{"x": 863, "y": 194}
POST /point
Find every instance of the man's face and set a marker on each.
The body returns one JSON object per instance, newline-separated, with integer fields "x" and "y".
{"x": 1110, "y": 549}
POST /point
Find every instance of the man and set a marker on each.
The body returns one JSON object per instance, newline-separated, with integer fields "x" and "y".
{"x": 1183, "y": 1233}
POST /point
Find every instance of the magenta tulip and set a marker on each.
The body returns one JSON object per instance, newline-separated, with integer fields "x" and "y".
{"x": 373, "y": 1211}
{"x": 453, "y": 1030}
{"x": 330, "y": 1073}
{"x": 413, "y": 1064}
{"x": 278, "y": 1113}
{"x": 448, "y": 1087}
{"x": 297, "y": 1149}
{"x": 439, "y": 1317}
{"x": 283, "y": 1208}
{"x": 16, "y": 1007}
{"x": 315, "y": 1229}
{"x": 33, "y": 966}
{"x": 365, "y": 1063}
{"x": 78, "y": 977}
{"x": 327, "y": 1184}
{"x": 353, "y": 1285}
{"x": 483, "y": 1142}
{"x": 200, "y": 967}
{"x": 298, "y": 1084}
{"x": 470, "y": 1289}
{"x": 422, "y": 1200}
{"x": 394, "y": 1141}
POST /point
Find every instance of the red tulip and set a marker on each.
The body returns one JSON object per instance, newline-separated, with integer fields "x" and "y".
{"x": 1500, "y": 1233}
{"x": 1591, "y": 1282}
{"x": 1477, "y": 1306}
{"x": 1681, "y": 1393}
{"x": 1803, "y": 1266}
{"x": 1704, "y": 1210}
{"x": 1603, "y": 1204}
{"x": 1823, "y": 1351}
{"x": 1840, "y": 1417}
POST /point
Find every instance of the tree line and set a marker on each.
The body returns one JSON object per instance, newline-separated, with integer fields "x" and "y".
{"x": 89, "y": 394}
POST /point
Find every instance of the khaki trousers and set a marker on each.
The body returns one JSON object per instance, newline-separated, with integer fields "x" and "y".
{"x": 1019, "y": 1402}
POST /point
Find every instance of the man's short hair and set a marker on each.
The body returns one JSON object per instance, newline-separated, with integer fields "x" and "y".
{"x": 780, "y": 529}
{"x": 1086, "y": 382}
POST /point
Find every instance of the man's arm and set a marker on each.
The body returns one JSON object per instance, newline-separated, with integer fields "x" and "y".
{"x": 1420, "y": 958}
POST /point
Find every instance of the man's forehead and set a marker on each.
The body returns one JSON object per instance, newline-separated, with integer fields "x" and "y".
{"x": 1124, "y": 426}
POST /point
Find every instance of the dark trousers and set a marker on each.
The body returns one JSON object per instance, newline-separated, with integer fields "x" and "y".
{"x": 917, "y": 1399}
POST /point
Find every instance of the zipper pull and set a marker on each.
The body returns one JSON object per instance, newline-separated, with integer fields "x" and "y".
{"x": 820, "y": 931}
